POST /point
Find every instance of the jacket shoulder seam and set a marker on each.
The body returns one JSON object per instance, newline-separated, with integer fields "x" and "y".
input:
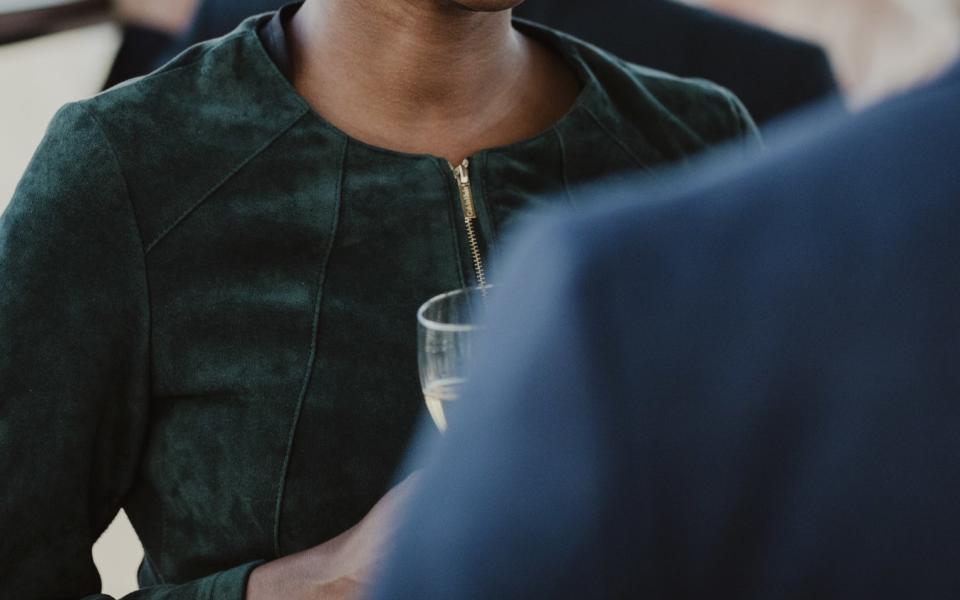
{"x": 619, "y": 142}
{"x": 223, "y": 181}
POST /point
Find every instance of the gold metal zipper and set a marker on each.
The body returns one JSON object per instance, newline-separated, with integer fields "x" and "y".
{"x": 461, "y": 173}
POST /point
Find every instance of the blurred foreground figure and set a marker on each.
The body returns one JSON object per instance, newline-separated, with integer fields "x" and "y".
{"x": 741, "y": 388}
{"x": 772, "y": 74}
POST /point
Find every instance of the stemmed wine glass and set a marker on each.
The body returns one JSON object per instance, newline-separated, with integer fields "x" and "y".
{"x": 448, "y": 326}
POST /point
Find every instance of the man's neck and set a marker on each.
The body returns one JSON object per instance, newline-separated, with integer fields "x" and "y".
{"x": 419, "y": 71}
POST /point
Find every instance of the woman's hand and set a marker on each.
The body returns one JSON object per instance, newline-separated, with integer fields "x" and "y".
{"x": 338, "y": 569}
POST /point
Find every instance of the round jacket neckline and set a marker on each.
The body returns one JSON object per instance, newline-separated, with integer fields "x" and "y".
{"x": 566, "y": 46}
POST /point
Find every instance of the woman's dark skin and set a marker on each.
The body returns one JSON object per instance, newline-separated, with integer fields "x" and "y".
{"x": 440, "y": 77}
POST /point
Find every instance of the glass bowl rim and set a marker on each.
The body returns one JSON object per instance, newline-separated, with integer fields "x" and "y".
{"x": 449, "y": 327}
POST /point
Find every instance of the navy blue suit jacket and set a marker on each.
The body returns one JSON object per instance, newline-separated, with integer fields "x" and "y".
{"x": 743, "y": 386}
{"x": 771, "y": 74}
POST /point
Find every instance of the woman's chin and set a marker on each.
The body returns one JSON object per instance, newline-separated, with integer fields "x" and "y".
{"x": 488, "y": 5}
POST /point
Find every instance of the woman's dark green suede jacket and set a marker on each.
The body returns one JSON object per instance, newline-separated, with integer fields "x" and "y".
{"x": 208, "y": 301}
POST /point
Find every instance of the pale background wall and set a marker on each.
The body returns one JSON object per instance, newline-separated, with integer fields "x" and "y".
{"x": 36, "y": 78}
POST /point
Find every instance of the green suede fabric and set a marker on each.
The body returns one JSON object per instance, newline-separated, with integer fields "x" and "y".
{"x": 208, "y": 299}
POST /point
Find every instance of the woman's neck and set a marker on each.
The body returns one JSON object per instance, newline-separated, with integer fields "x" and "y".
{"x": 425, "y": 76}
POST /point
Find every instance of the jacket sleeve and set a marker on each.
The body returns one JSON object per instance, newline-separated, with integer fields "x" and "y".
{"x": 74, "y": 370}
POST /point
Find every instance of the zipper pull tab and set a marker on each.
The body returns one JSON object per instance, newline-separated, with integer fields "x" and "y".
{"x": 462, "y": 171}
{"x": 462, "y": 174}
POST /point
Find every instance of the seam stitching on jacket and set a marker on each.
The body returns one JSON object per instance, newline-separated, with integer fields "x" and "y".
{"x": 307, "y": 377}
{"x": 623, "y": 146}
{"x": 484, "y": 204}
{"x": 741, "y": 122}
{"x": 564, "y": 179}
{"x": 233, "y": 173}
{"x": 748, "y": 130}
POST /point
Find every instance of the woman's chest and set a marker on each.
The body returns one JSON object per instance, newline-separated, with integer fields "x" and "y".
{"x": 283, "y": 330}
{"x": 293, "y": 253}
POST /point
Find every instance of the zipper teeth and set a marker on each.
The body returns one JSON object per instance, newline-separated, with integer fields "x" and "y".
{"x": 462, "y": 174}
{"x": 475, "y": 250}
